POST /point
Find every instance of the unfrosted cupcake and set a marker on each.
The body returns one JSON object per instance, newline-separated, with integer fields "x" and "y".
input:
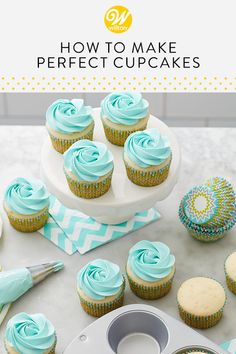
{"x": 147, "y": 157}
{"x": 30, "y": 334}
{"x": 88, "y": 166}
{"x": 195, "y": 351}
{"x": 201, "y": 302}
{"x": 150, "y": 269}
{"x": 209, "y": 210}
{"x": 100, "y": 286}
{"x": 230, "y": 272}
{"x": 67, "y": 122}
{"x": 123, "y": 113}
{"x": 26, "y": 203}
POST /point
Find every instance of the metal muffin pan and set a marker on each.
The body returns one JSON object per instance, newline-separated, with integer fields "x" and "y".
{"x": 171, "y": 336}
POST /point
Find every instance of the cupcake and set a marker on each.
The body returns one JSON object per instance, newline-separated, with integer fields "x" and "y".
{"x": 230, "y": 272}
{"x": 195, "y": 351}
{"x": 26, "y": 203}
{"x": 201, "y": 302}
{"x": 150, "y": 269}
{"x": 209, "y": 210}
{"x": 30, "y": 334}
{"x": 100, "y": 286}
{"x": 88, "y": 166}
{"x": 123, "y": 114}
{"x": 147, "y": 157}
{"x": 67, "y": 122}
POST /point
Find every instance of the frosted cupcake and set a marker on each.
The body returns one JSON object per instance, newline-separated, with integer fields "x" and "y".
{"x": 201, "y": 302}
{"x": 67, "y": 122}
{"x": 150, "y": 269}
{"x": 100, "y": 286}
{"x": 147, "y": 157}
{"x": 123, "y": 113}
{"x": 230, "y": 272}
{"x": 30, "y": 334}
{"x": 88, "y": 166}
{"x": 209, "y": 210}
{"x": 26, "y": 203}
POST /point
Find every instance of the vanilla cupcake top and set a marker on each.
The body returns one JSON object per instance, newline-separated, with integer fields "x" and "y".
{"x": 201, "y": 296}
{"x": 124, "y": 108}
{"x": 147, "y": 148}
{"x": 88, "y": 160}
{"x": 151, "y": 261}
{"x": 30, "y": 334}
{"x": 67, "y": 117}
{"x": 24, "y": 196}
{"x": 230, "y": 266}
{"x": 99, "y": 279}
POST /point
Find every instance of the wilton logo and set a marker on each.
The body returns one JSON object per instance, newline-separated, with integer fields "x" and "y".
{"x": 118, "y": 19}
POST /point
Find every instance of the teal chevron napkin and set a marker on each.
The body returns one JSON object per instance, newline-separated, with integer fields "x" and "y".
{"x": 74, "y": 231}
{"x": 230, "y": 346}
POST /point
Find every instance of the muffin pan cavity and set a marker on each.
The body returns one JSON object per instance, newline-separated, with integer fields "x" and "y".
{"x": 139, "y": 329}
{"x": 135, "y": 322}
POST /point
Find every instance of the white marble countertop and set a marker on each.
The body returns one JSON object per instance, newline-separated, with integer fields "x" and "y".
{"x": 206, "y": 152}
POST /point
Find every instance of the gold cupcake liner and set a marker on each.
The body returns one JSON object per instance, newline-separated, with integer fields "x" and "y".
{"x": 150, "y": 292}
{"x": 29, "y": 223}
{"x": 147, "y": 178}
{"x": 200, "y": 322}
{"x": 12, "y": 350}
{"x": 230, "y": 283}
{"x": 118, "y": 137}
{"x": 194, "y": 350}
{"x": 61, "y": 145}
{"x": 206, "y": 238}
{"x": 89, "y": 190}
{"x": 98, "y": 310}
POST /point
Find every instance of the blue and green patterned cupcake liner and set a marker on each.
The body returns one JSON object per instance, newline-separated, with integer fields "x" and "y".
{"x": 28, "y": 223}
{"x": 117, "y": 136}
{"x": 205, "y": 233}
{"x": 200, "y": 322}
{"x": 150, "y": 292}
{"x": 101, "y": 309}
{"x": 51, "y": 350}
{"x": 62, "y": 144}
{"x": 89, "y": 190}
{"x": 219, "y": 198}
{"x": 192, "y": 350}
{"x": 148, "y": 178}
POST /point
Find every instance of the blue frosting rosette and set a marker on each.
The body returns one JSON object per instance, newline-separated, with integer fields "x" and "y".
{"x": 30, "y": 333}
{"x": 125, "y": 108}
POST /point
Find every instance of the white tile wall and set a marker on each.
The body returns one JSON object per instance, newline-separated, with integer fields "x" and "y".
{"x": 201, "y": 105}
{"x": 2, "y": 104}
{"x": 175, "y": 109}
{"x": 32, "y": 104}
{"x": 155, "y": 101}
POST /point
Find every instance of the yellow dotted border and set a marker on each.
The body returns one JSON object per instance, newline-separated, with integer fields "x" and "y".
{"x": 117, "y": 83}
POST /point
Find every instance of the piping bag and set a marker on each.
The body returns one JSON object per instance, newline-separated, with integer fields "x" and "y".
{"x": 15, "y": 283}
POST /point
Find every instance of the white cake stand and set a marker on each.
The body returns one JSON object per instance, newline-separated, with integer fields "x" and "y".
{"x": 1, "y": 226}
{"x": 124, "y": 198}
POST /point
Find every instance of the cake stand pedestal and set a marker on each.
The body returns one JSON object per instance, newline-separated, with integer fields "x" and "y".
{"x": 124, "y": 199}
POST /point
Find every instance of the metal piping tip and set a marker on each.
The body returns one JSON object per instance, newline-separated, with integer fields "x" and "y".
{"x": 40, "y": 272}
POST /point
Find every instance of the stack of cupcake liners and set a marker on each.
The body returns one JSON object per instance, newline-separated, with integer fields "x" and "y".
{"x": 205, "y": 233}
{"x": 219, "y": 215}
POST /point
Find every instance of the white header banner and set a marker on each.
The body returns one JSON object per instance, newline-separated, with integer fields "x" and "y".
{"x": 152, "y": 46}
